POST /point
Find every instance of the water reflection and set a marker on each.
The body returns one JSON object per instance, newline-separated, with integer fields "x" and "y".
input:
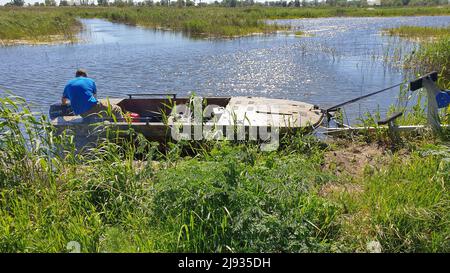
{"x": 340, "y": 59}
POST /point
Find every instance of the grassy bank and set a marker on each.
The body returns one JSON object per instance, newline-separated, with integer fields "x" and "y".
{"x": 419, "y": 32}
{"x": 206, "y": 22}
{"x": 435, "y": 56}
{"x": 307, "y": 196}
{"x": 433, "y": 53}
{"x": 41, "y": 22}
{"x": 29, "y": 26}
{"x": 292, "y": 13}
{"x": 226, "y": 22}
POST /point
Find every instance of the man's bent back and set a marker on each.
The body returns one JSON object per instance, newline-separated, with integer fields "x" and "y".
{"x": 81, "y": 93}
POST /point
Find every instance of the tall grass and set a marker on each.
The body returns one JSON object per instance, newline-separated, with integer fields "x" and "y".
{"x": 290, "y": 13}
{"x": 435, "y": 56}
{"x": 418, "y": 32}
{"x": 225, "y": 198}
{"x": 41, "y": 22}
{"x": 208, "y": 22}
{"x": 229, "y": 199}
{"x": 433, "y": 53}
{"x": 402, "y": 206}
{"x": 37, "y": 26}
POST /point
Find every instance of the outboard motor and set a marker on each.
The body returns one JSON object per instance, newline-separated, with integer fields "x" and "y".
{"x": 59, "y": 110}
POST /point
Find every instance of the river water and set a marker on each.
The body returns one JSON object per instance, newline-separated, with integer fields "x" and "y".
{"x": 339, "y": 59}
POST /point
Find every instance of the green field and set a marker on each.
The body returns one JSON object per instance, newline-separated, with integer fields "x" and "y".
{"x": 42, "y": 22}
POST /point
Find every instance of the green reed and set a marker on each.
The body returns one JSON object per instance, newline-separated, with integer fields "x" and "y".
{"x": 42, "y": 22}
{"x": 34, "y": 26}
{"x": 123, "y": 194}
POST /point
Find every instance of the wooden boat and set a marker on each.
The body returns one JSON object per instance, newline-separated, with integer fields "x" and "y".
{"x": 156, "y": 115}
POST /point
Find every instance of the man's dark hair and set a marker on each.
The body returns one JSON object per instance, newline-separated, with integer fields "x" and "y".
{"x": 81, "y": 73}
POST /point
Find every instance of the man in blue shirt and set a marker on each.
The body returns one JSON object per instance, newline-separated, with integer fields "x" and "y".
{"x": 82, "y": 93}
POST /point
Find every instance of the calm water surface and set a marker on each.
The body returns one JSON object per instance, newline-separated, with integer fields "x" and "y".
{"x": 342, "y": 58}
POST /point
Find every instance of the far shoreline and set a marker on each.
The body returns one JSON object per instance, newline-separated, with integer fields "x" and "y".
{"x": 202, "y": 22}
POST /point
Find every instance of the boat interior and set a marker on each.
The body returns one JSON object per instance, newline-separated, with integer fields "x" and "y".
{"x": 153, "y": 109}
{"x": 254, "y": 111}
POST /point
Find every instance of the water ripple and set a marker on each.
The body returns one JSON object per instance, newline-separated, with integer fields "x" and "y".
{"x": 342, "y": 58}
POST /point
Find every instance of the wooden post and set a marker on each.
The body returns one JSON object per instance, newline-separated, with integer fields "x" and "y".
{"x": 393, "y": 131}
{"x": 433, "y": 110}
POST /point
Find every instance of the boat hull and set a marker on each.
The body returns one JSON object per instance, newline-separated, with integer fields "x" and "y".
{"x": 165, "y": 119}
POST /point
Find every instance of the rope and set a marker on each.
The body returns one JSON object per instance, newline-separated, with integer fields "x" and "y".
{"x": 335, "y": 107}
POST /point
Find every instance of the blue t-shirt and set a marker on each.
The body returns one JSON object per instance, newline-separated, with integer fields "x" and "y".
{"x": 80, "y": 91}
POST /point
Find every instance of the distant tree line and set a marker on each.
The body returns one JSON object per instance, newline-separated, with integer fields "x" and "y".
{"x": 413, "y": 2}
{"x": 234, "y": 3}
